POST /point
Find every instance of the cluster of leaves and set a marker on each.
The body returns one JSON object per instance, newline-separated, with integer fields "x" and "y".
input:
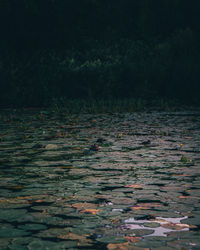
{"x": 98, "y": 49}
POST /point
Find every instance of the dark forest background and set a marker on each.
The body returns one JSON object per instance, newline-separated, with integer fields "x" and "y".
{"x": 54, "y": 49}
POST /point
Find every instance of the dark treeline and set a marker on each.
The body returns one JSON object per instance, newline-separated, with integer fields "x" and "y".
{"x": 98, "y": 49}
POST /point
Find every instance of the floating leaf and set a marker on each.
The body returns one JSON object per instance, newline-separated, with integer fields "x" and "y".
{"x": 118, "y": 246}
{"x": 51, "y": 146}
{"x": 146, "y": 205}
{"x": 177, "y": 226}
{"x": 39, "y": 201}
{"x": 84, "y": 205}
{"x": 90, "y": 211}
{"x": 139, "y": 207}
{"x": 136, "y": 186}
{"x": 77, "y": 148}
{"x": 181, "y": 175}
{"x": 184, "y": 197}
{"x": 15, "y": 187}
{"x": 149, "y": 204}
{"x": 77, "y": 237}
{"x": 66, "y": 167}
{"x": 115, "y": 221}
{"x": 132, "y": 238}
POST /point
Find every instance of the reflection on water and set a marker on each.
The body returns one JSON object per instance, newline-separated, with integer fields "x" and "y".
{"x": 159, "y": 230}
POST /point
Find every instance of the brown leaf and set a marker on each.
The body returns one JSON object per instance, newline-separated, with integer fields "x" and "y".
{"x": 184, "y": 197}
{"x": 136, "y": 186}
{"x": 115, "y": 221}
{"x": 77, "y": 148}
{"x": 66, "y": 167}
{"x": 174, "y": 226}
{"x": 72, "y": 236}
{"x": 15, "y": 187}
{"x": 84, "y": 205}
{"x": 90, "y": 211}
{"x": 118, "y": 246}
{"x": 132, "y": 238}
{"x": 39, "y": 201}
{"x": 146, "y": 205}
{"x": 124, "y": 246}
{"x": 149, "y": 204}
{"x": 139, "y": 207}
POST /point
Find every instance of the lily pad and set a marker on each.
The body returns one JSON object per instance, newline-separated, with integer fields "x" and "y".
{"x": 51, "y": 146}
{"x": 60, "y": 198}
{"x": 12, "y": 232}
{"x": 11, "y": 215}
{"x": 45, "y": 244}
{"x": 33, "y": 227}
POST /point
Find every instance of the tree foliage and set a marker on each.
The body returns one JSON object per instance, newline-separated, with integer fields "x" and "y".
{"x": 98, "y": 49}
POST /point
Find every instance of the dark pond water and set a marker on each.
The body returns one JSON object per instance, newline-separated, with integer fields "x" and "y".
{"x": 140, "y": 189}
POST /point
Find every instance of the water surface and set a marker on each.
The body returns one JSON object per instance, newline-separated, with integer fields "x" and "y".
{"x": 58, "y": 194}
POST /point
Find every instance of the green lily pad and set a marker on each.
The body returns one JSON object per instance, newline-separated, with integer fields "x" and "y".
{"x": 111, "y": 239}
{"x": 12, "y": 232}
{"x": 45, "y": 244}
{"x": 31, "y": 227}
{"x": 61, "y": 198}
{"x": 11, "y": 215}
